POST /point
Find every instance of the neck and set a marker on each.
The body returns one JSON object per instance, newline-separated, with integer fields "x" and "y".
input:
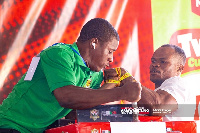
{"x": 157, "y": 85}
{"x": 84, "y": 51}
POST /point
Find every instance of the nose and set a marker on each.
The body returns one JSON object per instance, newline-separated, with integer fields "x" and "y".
{"x": 110, "y": 59}
{"x": 155, "y": 64}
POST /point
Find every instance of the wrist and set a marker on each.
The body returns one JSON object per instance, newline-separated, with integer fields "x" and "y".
{"x": 112, "y": 81}
{"x": 108, "y": 85}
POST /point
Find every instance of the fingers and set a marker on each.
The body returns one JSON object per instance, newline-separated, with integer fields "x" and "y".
{"x": 118, "y": 75}
{"x": 140, "y": 90}
{"x": 132, "y": 91}
{"x": 110, "y": 74}
{"x": 114, "y": 72}
{"x": 137, "y": 91}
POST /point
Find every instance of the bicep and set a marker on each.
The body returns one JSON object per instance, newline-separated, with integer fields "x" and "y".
{"x": 166, "y": 100}
{"x": 159, "y": 99}
{"x": 165, "y": 97}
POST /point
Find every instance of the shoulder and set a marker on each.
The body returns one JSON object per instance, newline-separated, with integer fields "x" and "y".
{"x": 58, "y": 47}
{"x": 177, "y": 87}
{"x": 174, "y": 81}
{"x": 173, "y": 85}
{"x": 58, "y": 50}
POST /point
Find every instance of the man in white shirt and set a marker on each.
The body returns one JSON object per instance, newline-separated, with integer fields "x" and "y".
{"x": 172, "y": 96}
{"x": 178, "y": 88}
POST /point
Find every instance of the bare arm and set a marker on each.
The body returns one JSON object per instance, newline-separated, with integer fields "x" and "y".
{"x": 81, "y": 98}
{"x": 149, "y": 99}
{"x": 157, "y": 100}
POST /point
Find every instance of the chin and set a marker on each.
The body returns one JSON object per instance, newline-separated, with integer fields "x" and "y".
{"x": 154, "y": 80}
{"x": 98, "y": 70}
{"x": 157, "y": 81}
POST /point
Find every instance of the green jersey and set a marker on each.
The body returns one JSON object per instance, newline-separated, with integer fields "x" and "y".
{"x": 32, "y": 106}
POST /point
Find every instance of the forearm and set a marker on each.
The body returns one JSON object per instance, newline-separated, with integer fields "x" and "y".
{"x": 158, "y": 103}
{"x": 81, "y": 98}
{"x": 148, "y": 97}
{"x": 108, "y": 86}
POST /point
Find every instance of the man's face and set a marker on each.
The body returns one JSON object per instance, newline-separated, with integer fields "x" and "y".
{"x": 102, "y": 55}
{"x": 163, "y": 65}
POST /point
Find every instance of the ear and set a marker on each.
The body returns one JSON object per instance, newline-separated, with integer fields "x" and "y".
{"x": 94, "y": 43}
{"x": 180, "y": 68}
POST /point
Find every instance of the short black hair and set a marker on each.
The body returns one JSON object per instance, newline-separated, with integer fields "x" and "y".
{"x": 98, "y": 28}
{"x": 178, "y": 50}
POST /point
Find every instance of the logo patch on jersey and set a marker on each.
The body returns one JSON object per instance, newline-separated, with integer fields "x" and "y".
{"x": 88, "y": 83}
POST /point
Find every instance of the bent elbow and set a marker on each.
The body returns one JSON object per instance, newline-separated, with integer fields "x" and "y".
{"x": 62, "y": 99}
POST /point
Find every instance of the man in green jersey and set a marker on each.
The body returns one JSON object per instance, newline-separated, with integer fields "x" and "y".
{"x": 65, "y": 77}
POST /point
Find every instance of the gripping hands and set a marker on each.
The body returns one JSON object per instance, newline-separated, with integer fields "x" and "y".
{"x": 117, "y": 75}
{"x": 130, "y": 87}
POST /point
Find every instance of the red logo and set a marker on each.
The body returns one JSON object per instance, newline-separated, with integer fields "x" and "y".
{"x": 195, "y": 6}
{"x": 189, "y": 41}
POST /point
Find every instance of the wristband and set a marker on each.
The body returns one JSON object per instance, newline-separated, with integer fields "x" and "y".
{"x": 118, "y": 70}
{"x": 113, "y": 81}
{"x": 126, "y": 75}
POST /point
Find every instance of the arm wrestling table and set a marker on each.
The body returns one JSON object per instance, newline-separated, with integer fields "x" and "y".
{"x": 122, "y": 118}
